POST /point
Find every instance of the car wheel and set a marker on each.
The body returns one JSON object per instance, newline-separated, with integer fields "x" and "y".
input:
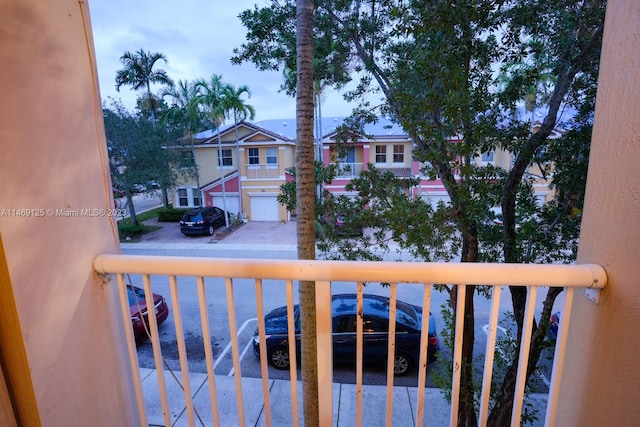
{"x": 210, "y": 230}
{"x": 279, "y": 358}
{"x": 401, "y": 365}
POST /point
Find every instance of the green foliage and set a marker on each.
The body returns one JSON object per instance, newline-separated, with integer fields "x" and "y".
{"x": 184, "y": 112}
{"x": 136, "y": 152}
{"x": 271, "y": 45}
{"x": 323, "y": 175}
{"x": 139, "y": 71}
{"x": 130, "y": 230}
{"x": 171, "y": 215}
{"x": 434, "y": 63}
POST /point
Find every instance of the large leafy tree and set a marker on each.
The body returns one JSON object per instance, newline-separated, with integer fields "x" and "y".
{"x": 136, "y": 152}
{"x": 434, "y": 65}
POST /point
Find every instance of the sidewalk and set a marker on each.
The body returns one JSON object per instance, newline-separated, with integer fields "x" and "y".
{"x": 436, "y": 408}
{"x": 405, "y": 399}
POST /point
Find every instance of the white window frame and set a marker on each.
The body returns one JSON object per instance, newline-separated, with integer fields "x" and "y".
{"x": 182, "y": 193}
{"x": 225, "y": 154}
{"x": 251, "y": 157}
{"x": 196, "y": 195}
{"x": 401, "y": 147}
{"x": 190, "y": 194}
{"x": 382, "y": 152}
{"x": 272, "y": 154}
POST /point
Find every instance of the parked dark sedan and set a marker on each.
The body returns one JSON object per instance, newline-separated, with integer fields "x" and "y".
{"x": 139, "y": 312}
{"x": 375, "y": 333}
{"x": 202, "y": 221}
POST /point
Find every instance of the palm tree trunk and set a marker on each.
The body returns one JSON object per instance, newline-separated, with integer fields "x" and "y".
{"x": 235, "y": 125}
{"x": 224, "y": 193}
{"x": 305, "y": 185}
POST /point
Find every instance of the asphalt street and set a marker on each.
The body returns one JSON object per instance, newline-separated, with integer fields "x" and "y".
{"x": 257, "y": 240}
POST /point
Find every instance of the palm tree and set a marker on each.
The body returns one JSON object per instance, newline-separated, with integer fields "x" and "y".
{"x": 240, "y": 111}
{"x": 185, "y": 109}
{"x": 305, "y": 195}
{"x": 138, "y": 72}
{"x": 212, "y": 98}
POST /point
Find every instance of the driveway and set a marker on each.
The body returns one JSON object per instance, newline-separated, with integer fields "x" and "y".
{"x": 263, "y": 232}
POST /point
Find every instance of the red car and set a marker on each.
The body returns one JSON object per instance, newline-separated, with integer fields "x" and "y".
{"x": 139, "y": 313}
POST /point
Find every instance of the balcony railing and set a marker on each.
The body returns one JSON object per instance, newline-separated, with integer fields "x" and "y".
{"x": 262, "y": 171}
{"x": 326, "y": 274}
{"x": 349, "y": 170}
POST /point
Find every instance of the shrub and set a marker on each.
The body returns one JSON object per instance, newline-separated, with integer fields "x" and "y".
{"x": 171, "y": 215}
{"x": 130, "y": 230}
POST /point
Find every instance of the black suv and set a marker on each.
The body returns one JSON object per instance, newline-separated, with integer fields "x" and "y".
{"x": 202, "y": 221}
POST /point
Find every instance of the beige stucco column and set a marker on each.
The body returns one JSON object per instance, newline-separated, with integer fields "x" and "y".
{"x": 601, "y": 382}
{"x": 61, "y": 339}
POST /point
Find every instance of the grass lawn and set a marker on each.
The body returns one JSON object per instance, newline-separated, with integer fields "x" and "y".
{"x": 131, "y": 233}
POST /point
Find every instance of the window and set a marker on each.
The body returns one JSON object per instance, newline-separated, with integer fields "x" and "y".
{"x": 398, "y": 153}
{"x": 196, "y": 197}
{"x": 188, "y": 197}
{"x": 487, "y": 157}
{"x": 254, "y": 156}
{"x": 183, "y": 198}
{"x": 344, "y": 324}
{"x": 374, "y": 324}
{"x": 381, "y": 154}
{"x": 224, "y": 157}
{"x": 272, "y": 156}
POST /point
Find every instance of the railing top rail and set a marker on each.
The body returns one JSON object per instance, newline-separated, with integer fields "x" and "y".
{"x": 492, "y": 274}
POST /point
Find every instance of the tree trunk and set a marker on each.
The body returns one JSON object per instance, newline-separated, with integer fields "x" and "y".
{"x": 501, "y": 413}
{"x": 467, "y": 416}
{"x": 165, "y": 197}
{"x": 305, "y": 186}
{"x": 132, "y": 209}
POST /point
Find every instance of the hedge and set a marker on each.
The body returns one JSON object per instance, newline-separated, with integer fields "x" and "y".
{"x": 171, "y": 215}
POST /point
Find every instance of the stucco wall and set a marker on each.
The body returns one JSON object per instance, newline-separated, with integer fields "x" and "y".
{"x": 54, "y": 162}
{"x": 601, "y": 382}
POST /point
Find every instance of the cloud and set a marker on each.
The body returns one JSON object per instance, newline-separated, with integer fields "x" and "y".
{"x": 198, "y": 38}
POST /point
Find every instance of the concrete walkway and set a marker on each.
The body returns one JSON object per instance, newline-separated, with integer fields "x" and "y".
{"x": 344, "y": 403}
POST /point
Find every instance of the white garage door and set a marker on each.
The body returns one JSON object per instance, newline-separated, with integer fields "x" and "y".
{"x": 264, "y": 208}
{"x": 434, "y": 198}
{"x": 231, "y": 202}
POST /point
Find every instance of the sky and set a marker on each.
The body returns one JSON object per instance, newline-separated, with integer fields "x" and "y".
{"x": 198, "y": 38}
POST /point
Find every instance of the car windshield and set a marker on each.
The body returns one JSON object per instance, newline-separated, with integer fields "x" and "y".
{"x": 135, "y": 295}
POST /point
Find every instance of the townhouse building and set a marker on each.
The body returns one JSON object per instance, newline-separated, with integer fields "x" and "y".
{"x": 242, "y": 170}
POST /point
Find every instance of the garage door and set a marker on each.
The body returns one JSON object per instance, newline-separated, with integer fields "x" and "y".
{"x": 434, "y": 198}
{"x": 231, "y": 202}
{"x": 264, "y": 208}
